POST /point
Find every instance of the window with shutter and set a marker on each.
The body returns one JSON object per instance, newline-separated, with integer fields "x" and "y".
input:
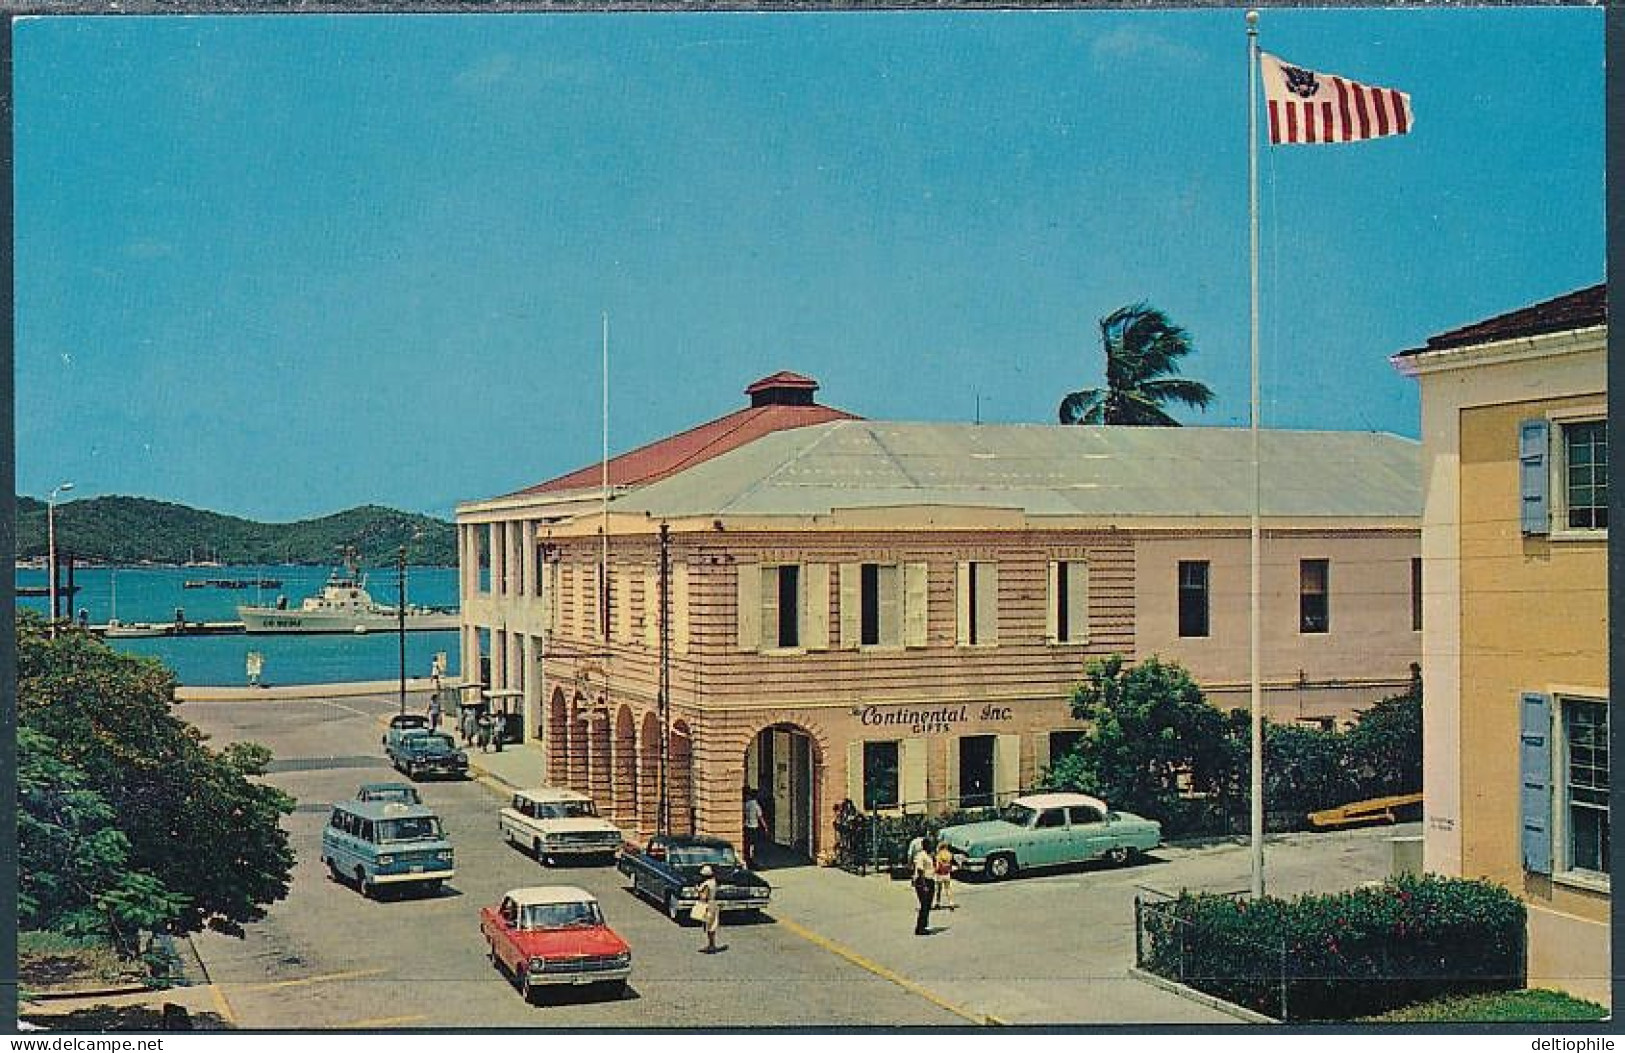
{"x": 815, "y": 606}
{"x": 1535, "y": 782}
{"x": 1535, "y": 514}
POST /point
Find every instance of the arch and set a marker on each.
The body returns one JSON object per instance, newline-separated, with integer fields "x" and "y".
{"x": 786, "y": 762}
{"x": 558, "y": 737}
{"x": 599, "y": 757}
{"x": 649, "y": 772}
{"x": 624, "y": 786}
{"x": 680, "y": 778}
{"x": 580, "y": 745}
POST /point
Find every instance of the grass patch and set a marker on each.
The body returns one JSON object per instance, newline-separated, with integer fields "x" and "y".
{"x": 1534, "y": 1005}
{"x": 49, "y": 960}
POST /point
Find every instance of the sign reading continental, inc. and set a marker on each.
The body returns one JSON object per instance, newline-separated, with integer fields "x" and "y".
{"x": 927, "y": 720}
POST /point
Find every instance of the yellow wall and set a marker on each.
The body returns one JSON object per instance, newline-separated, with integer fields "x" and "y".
{"x": 1534, "y": 617}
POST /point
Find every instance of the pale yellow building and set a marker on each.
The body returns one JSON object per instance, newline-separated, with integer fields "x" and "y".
{"x": 1515, "y": 615}
{"x": 896, "y": 613}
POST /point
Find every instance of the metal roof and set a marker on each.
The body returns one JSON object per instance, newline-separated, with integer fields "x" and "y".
{"x": 1046, "y": 470}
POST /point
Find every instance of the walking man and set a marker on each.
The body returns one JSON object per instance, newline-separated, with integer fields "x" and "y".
{"x": 925, "y": 885}
{"x": 434, "y": 710}
{"x": 755, "y": 829}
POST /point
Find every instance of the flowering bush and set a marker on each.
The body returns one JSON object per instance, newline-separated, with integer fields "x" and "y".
{"x": 1343, "y": 955}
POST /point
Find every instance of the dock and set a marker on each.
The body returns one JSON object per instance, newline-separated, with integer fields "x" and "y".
{"x": 132, "y": 630}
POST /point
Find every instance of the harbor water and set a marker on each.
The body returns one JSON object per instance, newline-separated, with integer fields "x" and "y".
{"x": 154, "y": 594}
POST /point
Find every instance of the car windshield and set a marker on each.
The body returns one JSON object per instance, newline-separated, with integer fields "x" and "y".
{"x": 431, "y": 743}
{"x": 1019, "y": 814}
{"x": 402, "y": 794}
{"x": 417, "y": 828}
{"x": 698, "y": 855}
{"x": 407, "y": 723}
{"x": 567, "y": 810}
{"x": 560, "y": 916}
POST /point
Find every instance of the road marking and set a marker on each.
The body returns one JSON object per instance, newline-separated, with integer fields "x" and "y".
{"x": 349, "y": 709}
{"x": 222, "y": 1005}
{"x": 886, "y": 974}
{"x": 306, "y": 981}
{"x": 385, "y": 1021}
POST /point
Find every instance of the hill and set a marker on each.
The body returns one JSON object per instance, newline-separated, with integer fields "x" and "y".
{"x": 138, "y": 529}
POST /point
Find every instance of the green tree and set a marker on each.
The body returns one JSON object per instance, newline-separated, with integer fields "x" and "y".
{"x": 196, "y": 822}
{"x": 1153, "y": 744}
{"x": 1385, "y": 745}
{"x": 1143, "y": 348}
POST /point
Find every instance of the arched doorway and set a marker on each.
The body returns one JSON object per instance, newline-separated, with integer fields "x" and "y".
{"x": 680, "y": 778}
{"x": 598, "y": 752}
{"x": 649, "y": 773}
{"x": 625, "y": 784}
{"x": 784, "y": 765}
{"x": 576, "y": 757}
{"x": 558, "y": 738}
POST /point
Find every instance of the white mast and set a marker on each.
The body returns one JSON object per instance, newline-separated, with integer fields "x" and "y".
{"x": 603, "y": 548}
{"x": 1257, "y": 753}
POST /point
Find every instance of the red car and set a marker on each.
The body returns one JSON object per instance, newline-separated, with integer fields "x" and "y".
{"x": 555, "y": 935}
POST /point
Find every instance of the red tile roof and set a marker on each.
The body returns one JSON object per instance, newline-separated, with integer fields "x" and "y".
{"x": 670, "y": 455}
{"x": 1576, "y": 310}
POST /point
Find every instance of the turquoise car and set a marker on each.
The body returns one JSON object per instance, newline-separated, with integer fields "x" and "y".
{"x": 1049, "y": 829}
{"x": 378, "y": 844}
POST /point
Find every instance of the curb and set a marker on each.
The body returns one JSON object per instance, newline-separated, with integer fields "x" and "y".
{"x": 92, "y": 992}
{"x": 1212, "y": 1002}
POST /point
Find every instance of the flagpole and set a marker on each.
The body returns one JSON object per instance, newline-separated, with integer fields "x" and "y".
{"x": 1257, "y": 752}
{"x": 603, "y": 478}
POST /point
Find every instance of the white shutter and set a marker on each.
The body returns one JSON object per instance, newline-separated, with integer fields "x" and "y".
{"x": 767, "y": 627}
{"x": 851, "y": 612}
{"x": 651, "y": 607}
{"x": 987, "y": 603}
{"x": 622, "y": 598}
{"x": 1077, "y": 602}
{"x": 951, "y": 784}
{"x": 679, "y": 608}
{"x": 815, "y": 606}
{"x": 889, "y": 583}
{"x": 915, "y": 602}
{"x": 962, "y": 611}
{"x": 1040, "y": 754}
{"x": 854, "y": 773}
{"x": 911, "y": 765}
{"x": 1006, "y": 767}
{"x": 748, "y": 609}
{"x": 1052, "y": 623}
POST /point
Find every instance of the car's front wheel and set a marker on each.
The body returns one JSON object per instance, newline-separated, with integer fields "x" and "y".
{"x": 1119, "y": 855}
{"x": 1000, "y": 866}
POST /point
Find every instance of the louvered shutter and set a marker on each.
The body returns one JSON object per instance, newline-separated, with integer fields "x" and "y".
{"x": 915, "y": 603}
{"x": 1006, "y": 767}
{"x": 651, "y": 607}
{"x": 1533, "y": 480}
{"x": 851, "y": 613}
{"x": 1077, "y": 602}
{"x": 854, "y": 774}
{"x": 987, "y": 603}
{"x": 911, "y": 762}
{"x": 1535, "y": 782}
{"x": 815, "y": 606}
{"x": 748, "y": 609}
{"x": 962, "y": 611}
{"x": 679, "y": 608}
{"x": 1052, "y": 606}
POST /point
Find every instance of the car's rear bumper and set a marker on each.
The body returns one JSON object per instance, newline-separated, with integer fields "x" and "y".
{"x": 423, "y": 875}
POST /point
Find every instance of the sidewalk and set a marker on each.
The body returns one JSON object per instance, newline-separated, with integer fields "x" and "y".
{"x": 520, "y": 766}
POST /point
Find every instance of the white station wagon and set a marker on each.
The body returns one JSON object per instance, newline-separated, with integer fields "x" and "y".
{"x": 554, "y": 822}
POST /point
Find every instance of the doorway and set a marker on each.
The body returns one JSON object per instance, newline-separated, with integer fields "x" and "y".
{"x": 976, "y": 771}
{"x": 780, "y": 765}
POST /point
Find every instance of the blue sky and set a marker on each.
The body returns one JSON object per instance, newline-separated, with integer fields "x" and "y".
{"x": 281, "y": 266}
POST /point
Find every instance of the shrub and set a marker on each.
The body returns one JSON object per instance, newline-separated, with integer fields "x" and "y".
{"x": 1342, "y": 955}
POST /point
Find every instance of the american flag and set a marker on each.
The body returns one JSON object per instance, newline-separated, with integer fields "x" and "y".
{"x": 1309, "y": 107}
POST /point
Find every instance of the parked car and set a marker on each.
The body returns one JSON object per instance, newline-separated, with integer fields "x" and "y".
{"x": 1049, "y": 829}
{"x": 554, "y": 822}
{"x": 385, "y": 843}
{"x": 667, "y": 871}
{"x": 399, "y": 792}
{"x": 554, "y": 935}
{"x": 427, "y": 753}
{"x": 403, "y": 724}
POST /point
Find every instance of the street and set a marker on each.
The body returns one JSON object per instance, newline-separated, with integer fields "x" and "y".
{"x": 833, "y": 950}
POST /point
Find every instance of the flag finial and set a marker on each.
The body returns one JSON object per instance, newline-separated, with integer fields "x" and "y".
{"x": 1252, "y": 18}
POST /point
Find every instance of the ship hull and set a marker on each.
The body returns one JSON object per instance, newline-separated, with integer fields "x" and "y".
{"x": 271, "y": 620}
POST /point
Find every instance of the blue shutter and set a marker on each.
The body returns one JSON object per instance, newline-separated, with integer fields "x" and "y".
{"x": 1532, "y": 476}
{"x": 1535, "y": 782}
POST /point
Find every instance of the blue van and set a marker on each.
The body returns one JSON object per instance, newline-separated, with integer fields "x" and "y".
{"x": 377, "y": 843}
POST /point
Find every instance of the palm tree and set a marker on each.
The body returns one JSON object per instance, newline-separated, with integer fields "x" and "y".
{"x": 1142, "y": 349}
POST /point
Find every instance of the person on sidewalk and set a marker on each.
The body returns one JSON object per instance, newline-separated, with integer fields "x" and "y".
{"x": 711, "y": 916}
{"x": 485, "y": 732}
{"x": 925, "y": 885}
{"x": 434, "y": 710}
{"x": 755, "y": 830}
{"x": 944, "y": 876}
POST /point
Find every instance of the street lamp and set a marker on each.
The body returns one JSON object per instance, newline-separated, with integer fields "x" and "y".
{"x": 50, "y": 544}
{"x": 400, "y": 616}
